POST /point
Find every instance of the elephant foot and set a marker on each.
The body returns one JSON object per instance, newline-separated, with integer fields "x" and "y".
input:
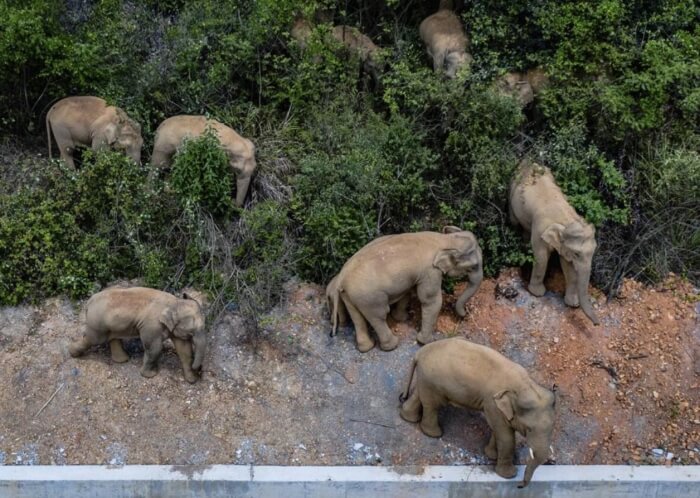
{"x": 149, "y": 372}
{"x": 120, "y": 357}
{"x": 536, "y": 289}
{"x": 399, "y": 315}
{"x": 422, "y": 338}
{"x": 571, "y": 300}
{"x": 190, "y": 377}
{"x": 409, "y": 416}
{"x": 506, "y": 471}
{"x": 432, "y": 431}
{"x": 364, "y": 346}
{"x": 75, "y": 350}
{"x": 490, "y": 452}
{"x": 390, "y": 344}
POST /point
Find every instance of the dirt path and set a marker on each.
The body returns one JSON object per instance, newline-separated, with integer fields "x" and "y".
{"x": 628, "y": 390}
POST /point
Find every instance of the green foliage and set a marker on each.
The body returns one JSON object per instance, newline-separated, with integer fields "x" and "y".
{"x": 201, "y": 174}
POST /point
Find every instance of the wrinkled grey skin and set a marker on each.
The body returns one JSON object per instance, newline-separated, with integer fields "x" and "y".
{"x": 240, "y": 151}
{"x": 458, "y": 372}
{"x": 118, "y": 313}
{"x": 540, "y": 207}
{"x": 385, "y": 271}
{"x": 90, "y": 122}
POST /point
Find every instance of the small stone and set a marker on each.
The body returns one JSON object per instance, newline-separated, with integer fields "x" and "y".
{"x": 357, "y": 446}
{"x": 657, "y": 452}
{"x": 669, "y": 456}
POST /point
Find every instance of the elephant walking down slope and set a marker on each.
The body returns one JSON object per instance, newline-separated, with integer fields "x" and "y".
{"x": 539, "y": 206}
{"x": 152, "y": 315}
{"x": 446, "y": 42}
{"x": 240, "y": 151}
{"x": 90, "y": 122}
{"x": 385, "y": 271}
{"x": 458, "y": 372}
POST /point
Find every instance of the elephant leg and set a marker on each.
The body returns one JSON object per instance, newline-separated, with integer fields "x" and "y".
{"x": 411, "y": 408}
{"x": 490, "y": 448}
{"x": 541, "y": 253}
{"x": 89, "y": 339}
{"x": 66, "y": 146}
{"x": 364, "y": 341}
{"x": 399, "y": 311}
{"x": 505, "y": 447}
{"x": 429, "y": 421}
{"x": 431, "y": 302}
{"x": 118, "y": 353}
{"x": 184, "y": 352}
{"x": 377, "y": 318}
{"x": 571, "y": 295}
{"x": 342, "y": 314}
{"x": 152, "y": 350}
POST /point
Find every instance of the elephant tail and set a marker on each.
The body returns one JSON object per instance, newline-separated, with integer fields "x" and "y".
{"x": 404, "y": 395}
{"x": 335, "y": 297}
{"x": 48, "y": 132}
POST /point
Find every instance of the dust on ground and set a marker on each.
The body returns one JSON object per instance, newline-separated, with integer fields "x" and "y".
{"x": 628, "y": 391}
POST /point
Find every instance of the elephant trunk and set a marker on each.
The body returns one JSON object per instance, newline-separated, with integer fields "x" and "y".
{"x": 475, "y": 278}
{"x": 242, "y": 184}
{"x": 530, "y": 469}
{"x": 199, "y": 341}
{"x": 584, "y": 299}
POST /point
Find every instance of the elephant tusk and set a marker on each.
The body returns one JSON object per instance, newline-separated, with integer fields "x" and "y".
{"x": 532, "y": 455}
{"x": 551, "y": 451}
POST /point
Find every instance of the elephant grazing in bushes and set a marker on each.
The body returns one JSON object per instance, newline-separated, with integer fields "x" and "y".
{"x": 446, "y": 41}
{"x": 240, "y": 151}
{"x": 539, "y": 206}
{"x": 386, "y": 270}
{"x": 153, "y": 315}
{"x": 458, "y": 372}
{"x": 523, "y": 86}
{"x": 90, "y": 122}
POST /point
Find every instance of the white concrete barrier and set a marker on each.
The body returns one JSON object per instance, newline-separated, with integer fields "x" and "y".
{"x": 214, "y": 481}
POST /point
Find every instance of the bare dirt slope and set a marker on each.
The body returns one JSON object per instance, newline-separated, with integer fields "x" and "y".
{"x": 628, "y": 390}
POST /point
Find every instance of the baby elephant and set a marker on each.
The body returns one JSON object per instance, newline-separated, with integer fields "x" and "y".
{"x": 446, "y": 41}
{"x": 458, "y": 372}
{"x": 523, "y": 86}
{"x": 117, "y": 313}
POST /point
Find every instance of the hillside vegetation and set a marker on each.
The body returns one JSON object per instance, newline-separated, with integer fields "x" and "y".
{"x": 341, "y": 158}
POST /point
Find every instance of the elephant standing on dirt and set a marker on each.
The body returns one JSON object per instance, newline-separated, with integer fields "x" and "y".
{"x": 539, "y": 206}
{"x": 445, "y": 41}
{"x": 240, "y": 151}
{"x": 458, "y": 372}
{"x": 386, "y": 270}
{"x": 153, "y": 315}
{"x": 90, "y": 122}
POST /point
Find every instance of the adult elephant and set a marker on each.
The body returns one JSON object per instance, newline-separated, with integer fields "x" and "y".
{"x": 152, "y": 315}
{"x": 539, "y": 206}
{"x": 386, "y": 270}
{"x": 90, "y": 122}
{"x": 240, "y": 151}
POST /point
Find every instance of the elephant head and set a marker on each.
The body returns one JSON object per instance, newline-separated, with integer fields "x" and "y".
{"x": 454, "y": 61}
{"x": 121, "y": 133}
{"x": 530, "y": 411}
{"x": 516, "y": 85}
{"x": 185, "y": 320}
{"x": 461, "y": 257}
{"x": 576, "y": 243}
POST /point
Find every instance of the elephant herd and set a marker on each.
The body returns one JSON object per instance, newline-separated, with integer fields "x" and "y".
{"x": 379, "y": 279}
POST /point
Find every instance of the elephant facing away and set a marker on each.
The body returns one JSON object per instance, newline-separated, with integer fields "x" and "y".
{"x": 117, "y": 313}
{"x": 445, "y": 41}
{"x": 385, "y": 271}
{"x": 540, "y": 207}
{"x": 240, "y": 151}
{"x": 90, "y": 122}
{"x": 362, "y": 45}
{"x": 458, "y": 372}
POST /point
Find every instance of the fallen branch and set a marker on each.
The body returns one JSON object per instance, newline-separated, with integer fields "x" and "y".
{"x": 49, "y": 401}
{"x": 372, "y": 423}
{"x": 597, "y": 362}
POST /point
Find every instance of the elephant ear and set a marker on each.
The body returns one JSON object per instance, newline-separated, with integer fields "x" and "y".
{"x": 444, "y": 260}
{"x": 553, "y": 235}
{"x": 504, "y": 404}
{"x": 451, "y": 229}
{"x": 168, "y": 318}
{"x": 110, "y": 133}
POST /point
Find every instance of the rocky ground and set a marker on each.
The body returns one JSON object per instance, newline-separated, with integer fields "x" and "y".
{"x": 628, "y": 390}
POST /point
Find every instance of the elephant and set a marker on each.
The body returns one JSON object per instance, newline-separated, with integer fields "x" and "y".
{"x": 387, "y": 270}
{"x": 446, "y": 41}
{"x": 90, "y": 122}
{"x": 240, "y": 151}
{"x": 153, "y": 315}
{"x": 461, "y": 373}
{"x": 539, "y": 206}
{"x": 362, "y": 45}
{"x": 523, "y": 86}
